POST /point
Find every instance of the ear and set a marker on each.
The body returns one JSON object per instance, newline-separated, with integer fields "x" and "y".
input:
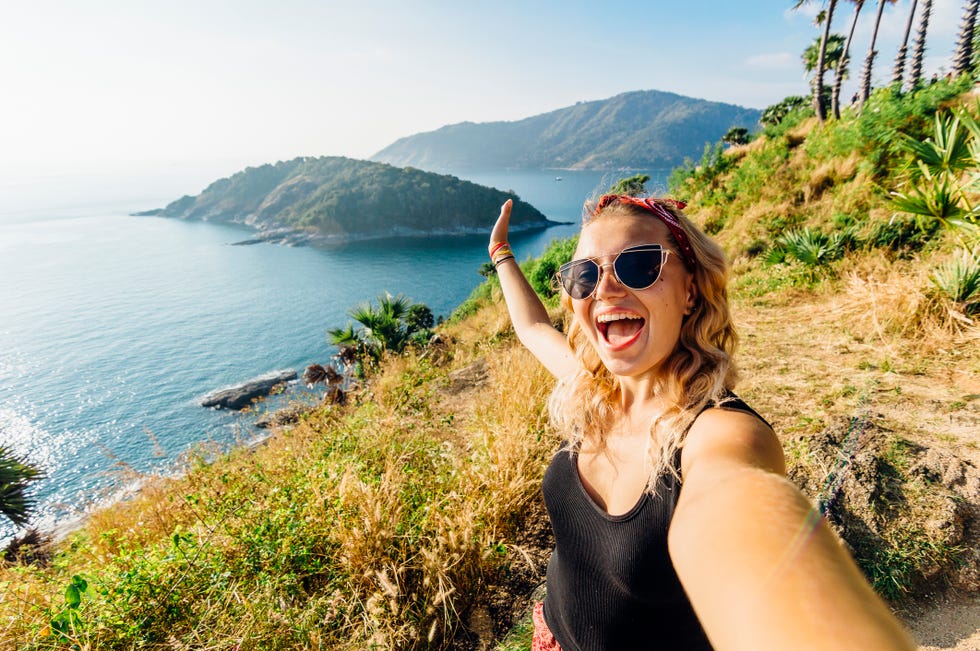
{"x": 692, "y": 296}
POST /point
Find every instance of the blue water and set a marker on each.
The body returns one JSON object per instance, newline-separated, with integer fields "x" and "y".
{"x": 112, "y": 327}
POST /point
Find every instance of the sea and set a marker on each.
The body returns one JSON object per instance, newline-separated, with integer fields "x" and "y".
{"x": 112, "y": 327}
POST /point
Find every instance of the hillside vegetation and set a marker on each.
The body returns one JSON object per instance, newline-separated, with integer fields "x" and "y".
{"x": 639, "y": 130}
{"x": 336, "y": 198}
{"x": 409, "y": 517}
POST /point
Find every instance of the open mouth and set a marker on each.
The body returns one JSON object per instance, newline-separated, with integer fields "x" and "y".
{"x": 620, "y": 328}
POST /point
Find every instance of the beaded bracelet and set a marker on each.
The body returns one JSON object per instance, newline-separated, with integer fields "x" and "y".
{"x": 500, "y": 260}
{"x": 496, "y": 247}
{"x": 500, "y": 252}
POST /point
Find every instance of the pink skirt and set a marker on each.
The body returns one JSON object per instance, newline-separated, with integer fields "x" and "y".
{"x": 543, "y": 640}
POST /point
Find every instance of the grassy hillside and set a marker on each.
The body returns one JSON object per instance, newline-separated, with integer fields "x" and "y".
{"x": 410, "y": 516}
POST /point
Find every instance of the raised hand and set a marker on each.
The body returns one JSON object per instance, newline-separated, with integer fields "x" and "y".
{"x": 499, "y": 232}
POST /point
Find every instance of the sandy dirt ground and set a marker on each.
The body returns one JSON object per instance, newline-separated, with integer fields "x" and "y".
{"x": 948, "y": 625}
{"x": 924, "y": 403}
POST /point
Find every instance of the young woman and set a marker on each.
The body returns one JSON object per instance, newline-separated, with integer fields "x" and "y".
{"x": 674, "y": 525}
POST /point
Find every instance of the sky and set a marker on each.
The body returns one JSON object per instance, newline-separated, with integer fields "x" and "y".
{"x": 143, "y": 95}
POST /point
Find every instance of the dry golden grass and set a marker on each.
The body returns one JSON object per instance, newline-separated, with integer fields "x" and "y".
{"x": 828, "y": 175}
{"x": 796, "y": 137}
{"x": 373, "y": 525}
{"x": 813, "y": 358}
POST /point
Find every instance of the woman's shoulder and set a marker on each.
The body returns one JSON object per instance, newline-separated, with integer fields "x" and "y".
{"x": 729, "y": 431}
{"x": 731, "y": 402}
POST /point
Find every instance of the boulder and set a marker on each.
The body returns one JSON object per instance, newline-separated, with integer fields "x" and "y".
{"x": 241, "y": 395}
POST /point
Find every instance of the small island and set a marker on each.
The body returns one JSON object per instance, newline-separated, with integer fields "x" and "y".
{"x": 333, "y": 199}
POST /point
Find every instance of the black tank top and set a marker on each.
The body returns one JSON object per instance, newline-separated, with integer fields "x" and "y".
{"x": 611, "y": 584}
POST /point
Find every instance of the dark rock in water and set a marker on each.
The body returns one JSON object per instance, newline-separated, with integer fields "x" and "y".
{"x": 241, "y": 395}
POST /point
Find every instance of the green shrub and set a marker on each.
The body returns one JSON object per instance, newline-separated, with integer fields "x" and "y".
{"x": 959, "y": 280}
{"x": 902, "y": 235}
{"x": 541, "y": 271}
{"x": 779, "y": 117}
{"x": 712, "y": 165}
{"x": 478, "y": 298}
{"x": 889, "y": 113}
{"x": 813, "y": 248}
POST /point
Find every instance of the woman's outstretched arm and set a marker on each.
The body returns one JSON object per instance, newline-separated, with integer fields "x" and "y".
{"x": 529, "y": 316}
{"x": 761, "y": 568}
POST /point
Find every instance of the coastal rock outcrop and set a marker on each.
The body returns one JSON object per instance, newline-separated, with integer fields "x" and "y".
{"x": 241, "y": 395}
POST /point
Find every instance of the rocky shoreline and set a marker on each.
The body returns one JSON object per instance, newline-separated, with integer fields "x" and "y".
{"x": 241, "y": 395}
{"x": 301, "y": 237}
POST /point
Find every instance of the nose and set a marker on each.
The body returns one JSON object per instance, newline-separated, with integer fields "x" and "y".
{"x": 608, "y": 284}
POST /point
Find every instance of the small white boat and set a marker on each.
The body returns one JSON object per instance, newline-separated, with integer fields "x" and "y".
{"x": 558, "y": 178}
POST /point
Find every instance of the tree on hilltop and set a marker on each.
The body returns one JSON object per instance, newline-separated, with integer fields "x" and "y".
{"x": 841, "y": 69}
{"x": 919, "y": 49}
{"x": 898, "y": 73}
{"x": 632, "y": 186}
{"x": 869, "y": 58}
{"x": 773, "y": 115}
{"x": 963, "y": 58}
{"x": 830, "y": 51}
{"x": 736, "y": 136}
{"x": 826, "y": 18}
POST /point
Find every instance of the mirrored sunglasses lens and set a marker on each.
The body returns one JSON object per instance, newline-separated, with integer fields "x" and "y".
{"x": 579, "y": 278}
{"x": 639, "y": 269}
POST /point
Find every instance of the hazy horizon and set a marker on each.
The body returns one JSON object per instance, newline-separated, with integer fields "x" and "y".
{"x": 159, "y": 100}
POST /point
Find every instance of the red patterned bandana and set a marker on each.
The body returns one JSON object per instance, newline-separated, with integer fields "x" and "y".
{"x": 657, "y": 209}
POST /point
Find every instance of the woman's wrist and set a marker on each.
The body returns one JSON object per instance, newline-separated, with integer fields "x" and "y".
{"x": 500, "y": 252}
{"x": 500, "y": 260}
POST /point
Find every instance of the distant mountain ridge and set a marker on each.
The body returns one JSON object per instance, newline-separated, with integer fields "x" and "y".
{"x": 333, "y": 198}
{"x": 647, "y": 129}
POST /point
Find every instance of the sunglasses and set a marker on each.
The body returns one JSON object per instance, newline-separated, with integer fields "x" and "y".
{"x": 636, "y": 267}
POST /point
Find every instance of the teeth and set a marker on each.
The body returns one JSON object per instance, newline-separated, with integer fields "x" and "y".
{"x": 618, "y": 316}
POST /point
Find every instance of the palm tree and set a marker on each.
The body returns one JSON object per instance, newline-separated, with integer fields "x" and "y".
{"x": 329, "y": 377}
{"x": 387, "y": 324}
{"x": 919, "y": 49}
{"x": 350, "y": 344}
{"x": 15, "y": 477}
{"x": 898, "y": 73}
{"x": 869, "y": 59}
{"x": 389, "y": 327}
{"x": 826, "y": 17}
{"x": 833, "y": 50}
{"x": 842, "y": 64}
{"x": 963, "y": 58}
{"x": 819, "y": 102}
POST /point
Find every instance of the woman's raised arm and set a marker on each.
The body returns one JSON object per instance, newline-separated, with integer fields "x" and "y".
{"x": 760, "y": 566}
{"x": 529, "y": 316}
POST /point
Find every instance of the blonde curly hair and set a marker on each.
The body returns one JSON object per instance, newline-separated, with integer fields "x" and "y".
{"x": 700, "y": 370}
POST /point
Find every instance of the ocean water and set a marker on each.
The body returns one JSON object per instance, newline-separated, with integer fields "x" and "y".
{"x": 112, "y": 327}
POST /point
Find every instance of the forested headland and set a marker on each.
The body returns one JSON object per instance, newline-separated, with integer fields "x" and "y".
{"x": 332, "y": 198}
